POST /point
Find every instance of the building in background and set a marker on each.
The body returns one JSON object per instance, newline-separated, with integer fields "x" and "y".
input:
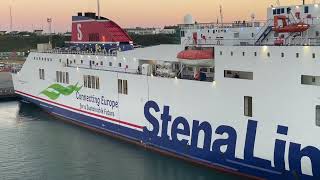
{"x": 38, "y": 32}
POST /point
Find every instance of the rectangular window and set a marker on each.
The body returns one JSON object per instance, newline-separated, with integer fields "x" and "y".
{"x": 274, "y": 11}
{"x": 41, "y": 74}
{"x": 85, "y": 81}
{"x": 310, "y": 80}
{"x": 278, "y": 11}
{"x": 97, "y": 83}
{"x": 125, "y": 87}
{"x": 288, "y": 10}
{"x": 248, "y": 106}
{"x": 63, "y": 77}
{"x": 93, "y": 82}
{"x": 89, "y": 81}
{"x": 318, "y": 115}
{"x": 67, "y": 78}
{"x": 60, "y": 77}
{"x": 306, "y": 9}
{"x": 238, "y": 74}
{"x": 57, "y": 76}
{"x": 119, "y": 86}
{"x": 282, "y": 10}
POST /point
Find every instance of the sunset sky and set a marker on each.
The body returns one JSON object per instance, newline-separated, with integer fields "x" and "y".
{"x": 32, "y": 14}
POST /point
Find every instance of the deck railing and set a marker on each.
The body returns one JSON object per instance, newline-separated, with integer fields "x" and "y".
{"x": 54, "y": 51}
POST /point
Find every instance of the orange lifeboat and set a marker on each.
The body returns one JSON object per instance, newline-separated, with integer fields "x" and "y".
{"x": 288, "y": 28}
{"x": 194, "y": 54}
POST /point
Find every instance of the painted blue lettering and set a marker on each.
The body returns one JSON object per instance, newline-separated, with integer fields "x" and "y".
{"x": 153, "y": 121}
{"x": 196, "y": 129}
{"x": 175, "y": 130}
{"x": 296, "y": 154}
{"x": 230, "y": 142}
{"x": 250, "y": 144}
{"x": 166, "y": 118}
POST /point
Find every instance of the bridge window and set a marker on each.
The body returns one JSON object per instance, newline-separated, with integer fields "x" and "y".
{"x": 248, "y": 106}
{"x": 238, "y": 74}
{"x": 255, "y": 53}
{"x": 306, "y": 9}
{"x": 282, "y": 10}
{"x": 243, "y": 53}
{"x": 274, "y": 11}
{"x": 313, "y": 55}
{"x": 282, "y": 54}
{"x": 278, "y": 11}
{"x": 288, "y": 10}
{"x": 297, "y": 55}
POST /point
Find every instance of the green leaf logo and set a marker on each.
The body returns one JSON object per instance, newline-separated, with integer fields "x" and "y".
{"x": 54, "y": 91}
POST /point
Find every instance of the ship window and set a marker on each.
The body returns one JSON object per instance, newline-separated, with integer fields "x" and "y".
{"x": 123, "y": 86}
{"x": 213, "y": 31}
{"x": 274, "y": 11}
{"x": 63, "y": 77}
{"x": 318, "y": 115}
{"x": 278, "y": 11}
{"x": 306, "y": 9}
{"x": 110, "y": 63}
{"x": 119, "y": 64}
{"x": 182, "y": 34}
{"x": 89, "y": 81}
{"x": 101, "y": 63}
{"x": 236, "y": 35}
{"x": 231, "y": 53}
{"x": 282, "y": 10}
{"x": 59, "y": 60}
{"x": 97, "y": 83}
{"x": 41, "y": 74}
{"x": 268, "y": 54}
{"x": 313, "y": 55}
{"x": 85, "y": 81}
{"x": 238, "y": 74}
{"x": 120, "y": 86}
{"x": 243, "y": 53}
{"x": 220, "y": 53}
{"x": 67, "y": 78}
{"x": 310, "y": 80}
{"x": 317, "y": 33}
{"x": 288, "y": 10}
{"x": 297, "y": 55}
{"x": 282, "y": 54}
{"x": 255, "y": 53}
{"x": 81, "y": 61}
{"x": 248, "y": 106}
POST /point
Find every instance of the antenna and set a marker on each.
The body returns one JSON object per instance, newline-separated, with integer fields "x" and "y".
{"x": 98, "y": 8}
{"x": 221, "y": 15}
{"x": 10, "y": 18}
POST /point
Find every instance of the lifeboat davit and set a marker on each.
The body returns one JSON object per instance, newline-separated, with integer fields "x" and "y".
{"x": 196, "y": 56}
{"x": 289, "y": 28}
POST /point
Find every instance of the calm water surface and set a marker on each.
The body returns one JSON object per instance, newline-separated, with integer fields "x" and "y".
{"x": 33, "y": 145}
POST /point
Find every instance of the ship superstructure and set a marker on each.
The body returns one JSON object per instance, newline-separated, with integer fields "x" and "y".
{"x": 242, "y": 97}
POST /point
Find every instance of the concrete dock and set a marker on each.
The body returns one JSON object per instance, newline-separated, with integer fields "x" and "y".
{"x": 6, "y": 86}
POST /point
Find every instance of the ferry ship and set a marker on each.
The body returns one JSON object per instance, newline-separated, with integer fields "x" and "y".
{"x": 242, "y": 97}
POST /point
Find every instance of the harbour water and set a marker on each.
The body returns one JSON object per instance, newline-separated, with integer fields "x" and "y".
{"x": 34, "y": 145}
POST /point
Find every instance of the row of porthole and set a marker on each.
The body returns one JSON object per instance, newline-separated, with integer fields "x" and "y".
{"x": 93, "y": 62}
{"x": 268, "y": 54}
{"x": 42, "y": 58}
